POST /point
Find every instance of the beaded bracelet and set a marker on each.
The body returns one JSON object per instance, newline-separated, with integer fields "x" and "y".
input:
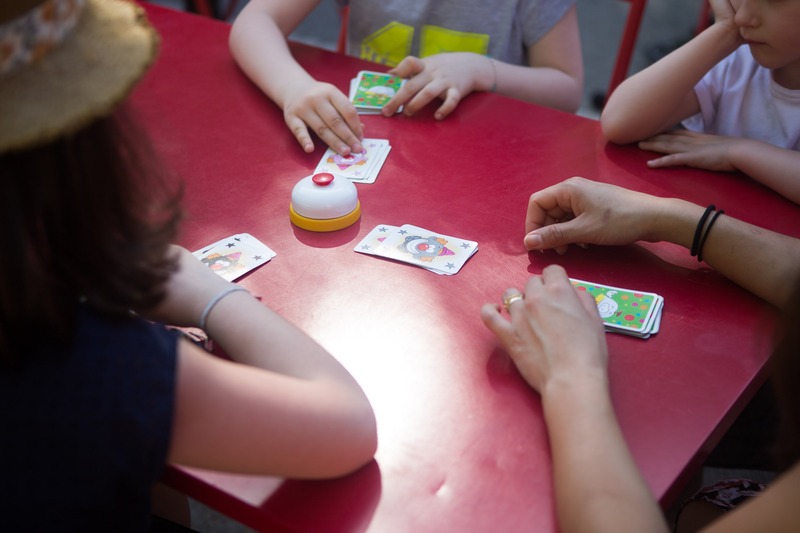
{"x": 214, "y": 301}
{"x": 494, "y": 71}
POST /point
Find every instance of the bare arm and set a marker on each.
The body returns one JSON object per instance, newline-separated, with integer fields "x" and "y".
{"x": 770, "y": 165}
{"x": 660, "y": 96}
{"x": 553, "y": 78}
{"x": 555, "y": 338}
{"x": 284, "y": 407}
{"x": 775, "y": 167}
{"x": 734, "y": 248}
{"x": 258, "y": 43}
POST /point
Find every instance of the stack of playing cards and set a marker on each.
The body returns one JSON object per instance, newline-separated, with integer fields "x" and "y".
{"x": 235, "y": 256}
{"x": 625, "y": 311}
{"x": 370, "y": 91}
{"x": 360, "y": 168}
{"x": 432, "y": 251}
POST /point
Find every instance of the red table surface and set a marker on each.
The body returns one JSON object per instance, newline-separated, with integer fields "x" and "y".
{"x": 462, "y": 442}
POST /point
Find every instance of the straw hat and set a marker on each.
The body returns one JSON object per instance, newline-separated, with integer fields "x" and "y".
{"x": 64, "y": 63}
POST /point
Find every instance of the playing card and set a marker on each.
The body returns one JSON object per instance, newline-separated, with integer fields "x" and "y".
{"x": 436, "y": 252}
{"x": 235, "y": 256}
{"x": 372, "y": 90}
{"x": 361, "y": 167}
{"x": 625, "y": 311}
{"x": 374, "y": 238}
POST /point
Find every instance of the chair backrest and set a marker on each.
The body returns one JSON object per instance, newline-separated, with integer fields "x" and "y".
{"x": 625, "y": 52}
{"x": 341, "y": 45}
{"x": 631, "y": 32}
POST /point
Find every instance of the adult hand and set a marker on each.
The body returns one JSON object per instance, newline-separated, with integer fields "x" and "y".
{"x": 554, "y": 331}
{"x": 450, "y": 77}
{"x": 586, "y": 212}
{"x": 188, "y": 291}
{"x": 698, "y": 150}
{"x": 323, "y": 108}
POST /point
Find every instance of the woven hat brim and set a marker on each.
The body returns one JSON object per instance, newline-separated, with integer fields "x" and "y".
{"x": 82, "y": 79}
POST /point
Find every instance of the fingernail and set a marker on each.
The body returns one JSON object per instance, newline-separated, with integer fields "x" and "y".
{"x": 344, "y": 149}
{"x": 358, "y": 148}
{"x": 533, "y": 241}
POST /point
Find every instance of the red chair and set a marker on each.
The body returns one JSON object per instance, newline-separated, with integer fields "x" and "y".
{"x": 631, "y": 32}
{"x": 203, "y": 7}
{"x": 625, "y": 52}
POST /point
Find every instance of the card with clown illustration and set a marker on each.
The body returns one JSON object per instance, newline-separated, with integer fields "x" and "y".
{"x": 436, "y": 252}
{"x": 235, "y": 256}
{"x": 363, "y": 167}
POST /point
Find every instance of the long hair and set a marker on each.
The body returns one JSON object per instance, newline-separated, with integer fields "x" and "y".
{"x": 88, "y": 217}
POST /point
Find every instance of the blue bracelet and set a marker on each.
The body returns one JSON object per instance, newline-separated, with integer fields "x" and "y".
{"x": 214, "y": 301}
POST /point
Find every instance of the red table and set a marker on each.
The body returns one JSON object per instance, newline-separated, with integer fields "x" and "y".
{"x": 462, "y": 445}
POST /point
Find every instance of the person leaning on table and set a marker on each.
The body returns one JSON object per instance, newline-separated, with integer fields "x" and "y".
{"x": 555, "y": 337}
{"x": 94, "y": 399}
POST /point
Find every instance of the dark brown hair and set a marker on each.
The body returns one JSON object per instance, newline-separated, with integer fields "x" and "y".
{"x": 87, "y": 217}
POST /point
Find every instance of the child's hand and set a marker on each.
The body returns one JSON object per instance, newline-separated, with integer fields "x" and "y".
{"x": 450, "y": 77}
{"x": 323, "y": 108}
{"x": 554, "y": 331}
{"x": 698, "y": 150}
{"x": 723, "y": 16}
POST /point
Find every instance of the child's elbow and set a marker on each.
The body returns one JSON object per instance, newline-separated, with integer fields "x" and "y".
{"x": 357, "y": 444}
{"x": 614, "y": 129}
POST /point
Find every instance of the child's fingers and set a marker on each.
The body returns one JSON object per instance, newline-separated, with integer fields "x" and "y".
{"x": 451, "y": 100}
{"x": 300, "y": 132}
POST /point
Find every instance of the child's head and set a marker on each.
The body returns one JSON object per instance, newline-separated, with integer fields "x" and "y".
{"x": 772, "y": 30}
{"x": 84, "y": 213}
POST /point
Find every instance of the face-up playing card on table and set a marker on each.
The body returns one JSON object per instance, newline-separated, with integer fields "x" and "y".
{"x": 626, "y": 311}
{"x": 363, "y": 167}
{"x": 433, "y": 251}
{"x": 370, "y": 91}
{"x": 374, "y": 238}
{"x": 235, "y": 256}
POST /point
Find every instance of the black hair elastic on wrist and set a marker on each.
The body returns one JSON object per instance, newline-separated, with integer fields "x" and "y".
{"x": 699, "y": 231}
{"x": 705, "y": 234}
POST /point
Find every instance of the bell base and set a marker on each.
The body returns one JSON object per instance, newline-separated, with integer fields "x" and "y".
{"x": 326, "y": 224}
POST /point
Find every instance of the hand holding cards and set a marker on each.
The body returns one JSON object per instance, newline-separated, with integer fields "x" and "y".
{"x": 438, "y": 253}
{"x": 361, "y": 168}
{"x": 235, "y": 256}
{"x": 624, "y": 311}
{"x": 370, "y": 91}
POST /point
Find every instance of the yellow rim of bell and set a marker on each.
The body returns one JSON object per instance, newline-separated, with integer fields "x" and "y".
{"x": 324, "y": 224}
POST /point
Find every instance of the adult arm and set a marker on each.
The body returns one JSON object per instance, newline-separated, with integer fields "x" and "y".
{"x": 555, "y": 337}
{"x": 553, "y": 77}
{"x": 587, "y": 212}
{"x": 258, "y": 43}
{"x": 283, "y": 406}
{"x": 660, "y": 96}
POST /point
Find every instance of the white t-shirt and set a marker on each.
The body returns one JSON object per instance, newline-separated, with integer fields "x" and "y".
{"x": 739, "y": 98}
